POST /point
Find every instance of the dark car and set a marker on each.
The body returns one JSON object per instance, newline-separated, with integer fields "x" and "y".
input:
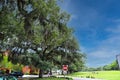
{"x": 3, "y": 77}
{"x": 17, "y": 74}
{"x": 1, "y": 72}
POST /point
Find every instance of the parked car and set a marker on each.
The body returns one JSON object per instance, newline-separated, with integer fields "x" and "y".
{"x": 16, "y": 74}
{"x": 1, "y": 72}
{"x": 3, "y": 77}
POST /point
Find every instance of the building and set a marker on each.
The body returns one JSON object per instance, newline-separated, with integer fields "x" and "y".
{"x": 118, "y": 60}
{"x": 30, "y": 70}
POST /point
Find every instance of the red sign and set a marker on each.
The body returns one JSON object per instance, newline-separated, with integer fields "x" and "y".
{"x": 65, "y": 67}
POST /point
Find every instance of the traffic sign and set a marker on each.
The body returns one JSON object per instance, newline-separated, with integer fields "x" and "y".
{"x": 65, "y": 67}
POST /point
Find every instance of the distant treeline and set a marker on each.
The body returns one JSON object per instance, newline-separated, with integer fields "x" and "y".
{"x": 111, "y": 66}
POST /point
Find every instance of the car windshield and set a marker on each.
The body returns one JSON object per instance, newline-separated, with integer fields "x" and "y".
{"x": 1, "y": 78}
{"x": 16, "y": 72}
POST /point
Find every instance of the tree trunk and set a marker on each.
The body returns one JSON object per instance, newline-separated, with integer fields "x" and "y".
{"x": 50, "y": 72}
{"x": 40, "y": 73}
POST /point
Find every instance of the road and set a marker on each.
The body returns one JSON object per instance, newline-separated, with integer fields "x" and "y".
{"x": 30, "y": 76}
{"x": 74, "y": 78}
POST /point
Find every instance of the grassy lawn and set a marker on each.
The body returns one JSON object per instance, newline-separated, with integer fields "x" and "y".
{"x": 106, "y": 75}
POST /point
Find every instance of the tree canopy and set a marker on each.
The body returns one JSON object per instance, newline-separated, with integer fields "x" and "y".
{"x": 36, "y": 33}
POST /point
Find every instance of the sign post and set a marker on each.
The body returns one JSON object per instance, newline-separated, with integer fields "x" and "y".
{"x": 65, "y": 69}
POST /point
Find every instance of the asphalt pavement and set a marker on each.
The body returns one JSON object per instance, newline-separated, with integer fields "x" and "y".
{"x": 74, "y": 78}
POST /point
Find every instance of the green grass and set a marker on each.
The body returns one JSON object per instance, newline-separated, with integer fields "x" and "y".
{"x": 105, "y": 75}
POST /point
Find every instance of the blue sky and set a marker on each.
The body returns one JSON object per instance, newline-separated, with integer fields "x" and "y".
{"x": 97, "y": 28}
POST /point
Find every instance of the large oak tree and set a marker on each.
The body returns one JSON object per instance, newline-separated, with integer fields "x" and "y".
{"x": 36, "y": 32}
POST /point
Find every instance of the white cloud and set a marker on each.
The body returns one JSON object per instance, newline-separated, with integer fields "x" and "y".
{"x": 116, "y": 20}
{"x": 114, "y": 30}
{"x": 88, "y": 17}
{"x": 66, "y": 5}
{"x": 107, "y": 49}
{"x": 73, "y": 16}
{"x": 83, "y": 49}
{"x": 90, "y": 20}
{"x": 85, "y": 16}
{"x": 113, "y": 40}
{"x": 100, "y": 54}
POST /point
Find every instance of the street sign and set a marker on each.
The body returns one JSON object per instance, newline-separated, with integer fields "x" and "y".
{"x": 65, "y": 67}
